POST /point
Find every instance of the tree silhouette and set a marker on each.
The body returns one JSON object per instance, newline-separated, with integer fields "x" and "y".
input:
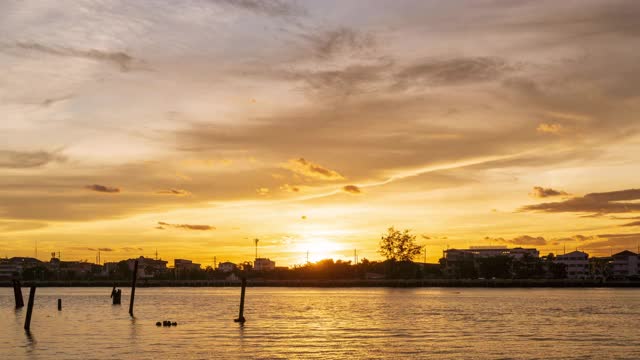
{"x": 399, "y": 246}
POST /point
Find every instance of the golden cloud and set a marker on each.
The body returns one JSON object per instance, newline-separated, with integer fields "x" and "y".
{"x": 352, "y": 189}
{"x": 102, "y": 188}
{"x": 178, "y": 192}
{"x": 540, "y": 192}
{"x": 309, "y": 169}
{"x": 289, "y": 188}
{"x": 187, "y": 226}
{"x": 550, "y": 128}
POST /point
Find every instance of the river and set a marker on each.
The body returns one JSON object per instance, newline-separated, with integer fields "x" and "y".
{"x": 326, "y": 323}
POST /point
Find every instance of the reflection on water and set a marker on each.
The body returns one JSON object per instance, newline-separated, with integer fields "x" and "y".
{"x": 327, "y": 323}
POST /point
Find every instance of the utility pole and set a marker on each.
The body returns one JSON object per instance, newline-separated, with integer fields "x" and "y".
{"x": 256, "y": 242}
{"x": 307, "y": 256}
{"x": 215, "y": 263}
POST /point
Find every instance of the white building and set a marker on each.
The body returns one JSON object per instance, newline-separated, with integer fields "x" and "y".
{"x": 577, "y": 263}
{"x": 227, "y": 267}
{"x": 264, "y": 264}
{"x": 490, "y": 251}
{"x": 625, "y": 264}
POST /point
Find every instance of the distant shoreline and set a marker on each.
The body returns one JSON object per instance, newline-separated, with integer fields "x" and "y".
{"x": 391, "y": 283}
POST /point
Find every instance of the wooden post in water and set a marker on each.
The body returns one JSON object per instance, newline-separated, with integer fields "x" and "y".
{"x": 17, "y": 294}
{"x": 59, "y": 304}
{"x": 133, "y": 287}
{"x": 27, "y": 320}
{"x": 241, "y": 318}
{"x": 116, "y": 295}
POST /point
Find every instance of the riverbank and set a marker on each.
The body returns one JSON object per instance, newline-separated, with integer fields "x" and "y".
{"x": 397, "y": 283}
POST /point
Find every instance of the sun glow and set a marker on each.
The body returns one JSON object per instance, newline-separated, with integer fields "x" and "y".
{"x": 318, "y": 249}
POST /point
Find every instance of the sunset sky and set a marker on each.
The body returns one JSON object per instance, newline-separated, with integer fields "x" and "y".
{"x": 131, "y": 126}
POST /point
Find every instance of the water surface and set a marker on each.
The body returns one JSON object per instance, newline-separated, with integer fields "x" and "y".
{"x": 446, "y": 323}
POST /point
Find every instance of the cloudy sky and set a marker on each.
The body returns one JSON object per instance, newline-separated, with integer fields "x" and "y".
{"x": 131, "y": 126}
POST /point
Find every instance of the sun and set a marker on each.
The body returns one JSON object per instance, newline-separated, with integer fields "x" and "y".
{"x": 318, "y": 249}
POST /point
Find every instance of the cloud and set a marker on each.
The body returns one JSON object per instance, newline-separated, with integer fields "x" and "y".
{"x": 121, "y": 59}
{"x": 262, "y": 191}
{"x": 312, "y": 170}
{"x": 265, "y": 7}
{"x": 50, "y": 101}
{"x": 100, "y": 249}
{"x": 352, "y": 189}
{"x": 453, "y": 71}
{"x": 634, "y": 223}
{"x": 524, "y": 240}
{"x": 102, "y": 188}
{"x": 578, "y": 238}
{"x": 528, "y": 240}
{"x": 620, "y": 236}
{"x": 550, "y": 128}
{"x": 289, "y": 188}
{"x": 616, "y": 242}
{"x": 188, "y": 226}
{"x": 11, "y": 226}
{"x": 540, "y": 192}
{"x": 178, "y": 192}
{"x": 341, "y": 41}
{"x": 131, "y": 249}
{"x": 337, "y": 84}
{"x": 601, "y": 203}
{"x": 25, "y": 160}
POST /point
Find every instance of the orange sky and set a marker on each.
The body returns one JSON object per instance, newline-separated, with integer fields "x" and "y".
{"x": 315, "y": 125}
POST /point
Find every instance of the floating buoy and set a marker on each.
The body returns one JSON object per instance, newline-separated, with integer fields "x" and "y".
{"x": 174, "y": 324}
{"x": 158, "y": 323}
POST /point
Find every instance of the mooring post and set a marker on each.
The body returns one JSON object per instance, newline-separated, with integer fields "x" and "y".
{"x": 27, "y": 320}
{"x": 17, "y": 294}
{"x": 59, "y": 304}
{"x": 117, "y": 297}
{"x": 241, "y": 318}
{"x": 133, "y": 287}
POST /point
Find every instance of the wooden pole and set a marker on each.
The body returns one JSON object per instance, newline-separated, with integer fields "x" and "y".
{"x": 133, "y": 287}
{"x": 17, "y": 293}
{"x": 241, "y": 318}
{"x": 117, "y": 297}
{"x": 27, "y": 320}
{"x": 59, "y": 304}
